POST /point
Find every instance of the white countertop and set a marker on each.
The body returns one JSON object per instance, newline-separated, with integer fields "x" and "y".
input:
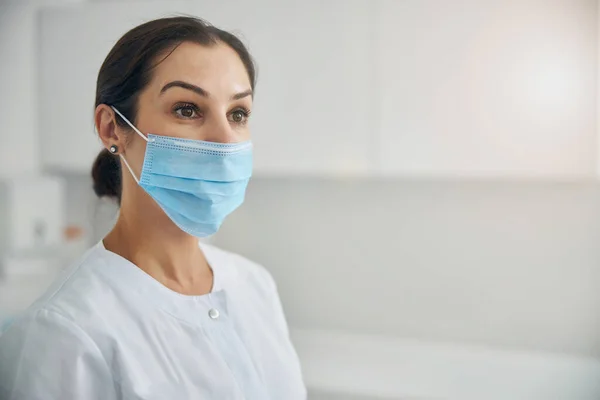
{"x": 396, "y": 368}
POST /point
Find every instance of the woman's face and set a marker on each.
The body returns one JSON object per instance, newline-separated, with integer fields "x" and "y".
{"x": 197, "y": 92}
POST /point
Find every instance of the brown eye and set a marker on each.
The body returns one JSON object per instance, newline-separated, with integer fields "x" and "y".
{"x": 186, "y": 111}
{"x": 239, "y": 116}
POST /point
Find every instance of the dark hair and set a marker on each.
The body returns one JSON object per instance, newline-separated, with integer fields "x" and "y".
{"x": 128, "y": 69}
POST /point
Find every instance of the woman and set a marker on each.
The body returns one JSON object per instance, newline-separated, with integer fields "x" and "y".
{"x": 148, "y": 313}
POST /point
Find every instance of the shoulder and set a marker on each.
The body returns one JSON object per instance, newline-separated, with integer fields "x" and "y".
{"x": 48, "y": 348}
{"x": 75, "y": 293}
{"x": 39, "y": 328}
{"x": 61, "y": 329}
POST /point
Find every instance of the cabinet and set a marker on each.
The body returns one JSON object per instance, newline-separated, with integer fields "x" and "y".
{"x": 387, "y": 87}
{"x": 18, "y": 106}
{"x": 486, "y": 89}
{"x": 31, "y": 214}
{"x": 313, "y": 110}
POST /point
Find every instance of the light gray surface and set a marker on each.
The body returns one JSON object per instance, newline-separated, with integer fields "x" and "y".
{"x": 502, "y": 264}
{"x": 320, "y": 395}
{"x": 4, "y": 223}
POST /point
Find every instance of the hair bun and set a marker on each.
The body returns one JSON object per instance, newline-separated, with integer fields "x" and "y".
{"x": 106, "y": 173}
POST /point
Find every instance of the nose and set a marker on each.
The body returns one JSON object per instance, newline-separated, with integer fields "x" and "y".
{"x": 218, "y": 130}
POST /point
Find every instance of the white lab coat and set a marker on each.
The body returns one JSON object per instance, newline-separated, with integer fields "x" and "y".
{"x": 106, "y": 330}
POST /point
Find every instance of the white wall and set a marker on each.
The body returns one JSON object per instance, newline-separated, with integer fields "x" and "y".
{"x": 505, "y": 264}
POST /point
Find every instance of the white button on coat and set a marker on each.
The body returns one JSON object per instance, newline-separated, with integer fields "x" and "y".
{"x": 106, "y": 330}
{"x": 213, "y": 314}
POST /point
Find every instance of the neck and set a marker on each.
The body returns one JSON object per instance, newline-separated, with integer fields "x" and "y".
{"x": 154, "y": 244}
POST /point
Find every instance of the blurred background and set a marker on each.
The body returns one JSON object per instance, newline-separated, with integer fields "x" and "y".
{"x": 426, "y": 188}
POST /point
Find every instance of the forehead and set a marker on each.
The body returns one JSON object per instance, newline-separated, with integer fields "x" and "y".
{"x": 215, "y": 68}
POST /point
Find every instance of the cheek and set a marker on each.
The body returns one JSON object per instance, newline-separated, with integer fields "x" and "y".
{"x": 245, "y": 135}
{"x": 162, "y": 123}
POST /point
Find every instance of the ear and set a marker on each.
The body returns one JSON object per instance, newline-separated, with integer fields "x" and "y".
{"x": 109, "y": 132}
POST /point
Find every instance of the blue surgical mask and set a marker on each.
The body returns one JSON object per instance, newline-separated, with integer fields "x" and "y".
{"x": 196, "y": 183}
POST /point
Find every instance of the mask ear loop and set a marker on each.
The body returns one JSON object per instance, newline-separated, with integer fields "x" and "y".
{"x": 139, "y": 133}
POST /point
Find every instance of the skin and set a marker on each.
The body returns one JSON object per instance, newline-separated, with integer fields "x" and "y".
{"x": 144, "y": 234}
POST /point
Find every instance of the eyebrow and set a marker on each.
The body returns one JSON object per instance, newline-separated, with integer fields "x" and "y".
{"x": 198, "y": 90}
{"x": 242, "y": 95}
